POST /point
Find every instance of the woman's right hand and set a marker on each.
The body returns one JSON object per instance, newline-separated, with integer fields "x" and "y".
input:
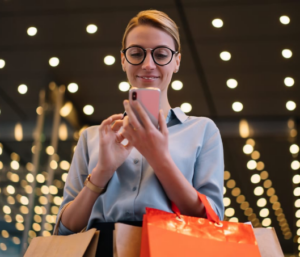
{"x": 111, "y": 152}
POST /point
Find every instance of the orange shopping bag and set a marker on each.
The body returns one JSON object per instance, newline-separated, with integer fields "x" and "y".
{"x": 169, "y": 234}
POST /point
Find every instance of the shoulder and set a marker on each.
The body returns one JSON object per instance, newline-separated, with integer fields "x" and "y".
{"x": 90, "y": 132}
{"x": 206, "y": 125}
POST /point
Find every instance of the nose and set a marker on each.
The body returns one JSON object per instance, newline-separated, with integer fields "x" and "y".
{"x": 148, "y": 63}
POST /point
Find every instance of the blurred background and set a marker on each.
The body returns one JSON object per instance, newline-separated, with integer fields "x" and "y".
{"x": 60, "y": 72}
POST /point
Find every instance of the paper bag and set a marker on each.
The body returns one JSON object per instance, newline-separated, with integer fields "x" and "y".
{"x": 268, "y": 243}
{"x": 75, "y": 245}
{"x": 127, "y": 240}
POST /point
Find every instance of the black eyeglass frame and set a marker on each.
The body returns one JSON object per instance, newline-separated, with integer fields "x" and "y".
{"x": 145, "y": 54}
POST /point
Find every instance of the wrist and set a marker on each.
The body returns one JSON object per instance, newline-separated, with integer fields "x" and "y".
{"x": 100, "y": 178}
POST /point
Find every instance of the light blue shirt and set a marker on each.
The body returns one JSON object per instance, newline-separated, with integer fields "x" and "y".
{"x": 196, "y": 148}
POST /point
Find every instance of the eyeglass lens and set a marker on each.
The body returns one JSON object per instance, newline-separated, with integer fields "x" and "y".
{"x": 161, "y": 55}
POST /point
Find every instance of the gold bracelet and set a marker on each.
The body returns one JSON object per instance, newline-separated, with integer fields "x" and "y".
{"x": 92, "y": 187}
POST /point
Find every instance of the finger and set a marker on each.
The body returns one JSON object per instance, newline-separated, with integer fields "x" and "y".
{"x": 107, "y": 122}
{"x": 119, "y": 137}
{"x": 143, "y": 115}
{"x": 127, "y": 131}
{"x": 162, "y": 123}
{"x": 131, "y": 116}
{"x": 117, "y": 125}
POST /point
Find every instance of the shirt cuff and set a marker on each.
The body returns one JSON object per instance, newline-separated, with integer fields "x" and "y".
{"x": 62, "y": 230}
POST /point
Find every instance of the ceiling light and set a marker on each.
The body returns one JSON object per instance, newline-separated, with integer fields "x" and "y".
{"x": 16, "y": 240}
{"x": 217, "y": 23}
{"x": 53, "y": 190}
{"x": 1, "y": 166}
{"x": 186, "y": 107}
{"x": 88, "y": 109}
{"x": 66, "y": 109}
{"x": 226, "y": 201}
{"x": 177, "y": 85}
{"x": 54, "y": 61}
{"x": 264, "y": 212}
{"x": 255, "y": 155}
{"x": 255, "y": 178}
{"x": 294, "y": 148}
{"x": 297, "y": 191}
{"x": 232, "y": 83}
{"x": 284, "y": 19}
{"x": 22, "y": 89}
{"x": 63, "y": 132}
{"x": 50, "y": 150}
{"x": 251, "y": 165}
{"x": 291, "y": 105}
{"x": 244, "y": 129}
{"x": 29, "y": 177}
{"x": 226, "y": 175}
{"x": 39, "y": 110}
{"x": 32, "y": 31}
{"x": 53, "y": 165}
{"x": 64, "y": 165}
{"x": 15, "y": 165}
{"x": 260, "y": 166}
{"x": 91, "y": 29}
{"x": 72, "y": 87}
{"x": 287, "y": 53}
{"x": 45, "y": 190}
{"x": 18, "y": 132}
{"x": 230, "y": 183}
{"x": 261, "y": 202}
{"x": 57, "y": 200}
{"x": 109, "y": 60}
{"x": 24, "y": 200}
{"x": 224, "y": 190}
{"x": 258, "y": 190}
{"x": 6, "y": 209}
{"x": 297, "y": 204}
{"x": 250, "y": 141}
{"x": 2, "y": 63}
{"x": 64, "y": 177}
{"x": 10, "y": 189}
{"x": 124, "y": 86}
{"x": 247, "y": 149}
{"x": 296, "y": 179}
{"x": 225, "y": 56}
{"x": 237, "y": 106}
{"x": 289, "y": 82}
{"x": 40, "y": 178}
{"x": 229, "y": 212}
{"x": 266, "y": 222}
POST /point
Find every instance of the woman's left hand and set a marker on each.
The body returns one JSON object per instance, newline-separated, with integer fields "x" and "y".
{"x": 147, "y": 139}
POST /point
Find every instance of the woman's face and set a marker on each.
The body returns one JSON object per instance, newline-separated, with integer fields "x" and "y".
{"x": 148, "y": 73}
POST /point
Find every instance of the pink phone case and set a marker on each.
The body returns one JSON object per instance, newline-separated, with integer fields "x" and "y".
{"x": 149, "y": 98}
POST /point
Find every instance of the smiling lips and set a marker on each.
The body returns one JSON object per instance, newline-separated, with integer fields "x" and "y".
{"x": 148, "y": 77}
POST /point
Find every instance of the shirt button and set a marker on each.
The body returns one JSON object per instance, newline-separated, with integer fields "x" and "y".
{"x": 133, "y": 189}
{"x": 136, "y": 161}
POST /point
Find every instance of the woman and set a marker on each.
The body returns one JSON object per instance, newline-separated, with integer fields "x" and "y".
{"x": 157, "y": 167}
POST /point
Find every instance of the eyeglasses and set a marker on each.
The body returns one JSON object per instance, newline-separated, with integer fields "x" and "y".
{"x": 161, "y": 55}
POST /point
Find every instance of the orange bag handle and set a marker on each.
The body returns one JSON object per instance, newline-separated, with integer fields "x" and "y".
{"x": 210, "y": 213}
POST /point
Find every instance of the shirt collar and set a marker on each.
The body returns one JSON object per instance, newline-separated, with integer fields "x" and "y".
{"x": 176, "y": 113}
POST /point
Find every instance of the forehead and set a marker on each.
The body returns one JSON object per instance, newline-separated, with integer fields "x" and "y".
{"x": 149, "y": 37}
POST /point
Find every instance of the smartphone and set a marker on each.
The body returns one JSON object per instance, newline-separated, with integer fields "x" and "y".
{"x": 149, "y": 98}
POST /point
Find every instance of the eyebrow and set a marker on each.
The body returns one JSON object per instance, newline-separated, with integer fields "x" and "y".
{"x": 147, "y": 47}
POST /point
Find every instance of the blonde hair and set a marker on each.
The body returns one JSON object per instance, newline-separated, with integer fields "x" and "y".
{"x": 155, "y": 19}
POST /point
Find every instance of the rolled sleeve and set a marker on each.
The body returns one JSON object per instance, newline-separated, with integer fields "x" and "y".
{"x": 209, "y": 169}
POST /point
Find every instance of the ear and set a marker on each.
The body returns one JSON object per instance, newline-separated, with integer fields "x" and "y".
{"x": 123, "y": 61}
{"x": 177, "y": 62}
